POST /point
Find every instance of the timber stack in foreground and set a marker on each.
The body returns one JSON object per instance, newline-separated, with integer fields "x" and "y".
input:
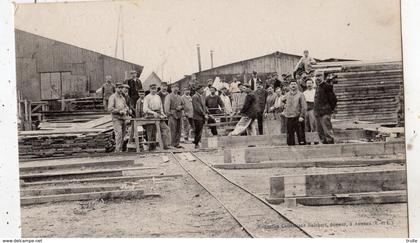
{"x": 368, "y": 91}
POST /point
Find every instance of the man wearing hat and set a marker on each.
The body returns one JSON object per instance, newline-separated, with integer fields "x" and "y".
{"x": 174, "y": 106}
{"x": 153, "y": 108}
{"x": 199, "y": 113}
{"x": 163, "y": 92}
{"x": 187, "y": 119}
{"x": 119, "y": 111}
{"x": 135, "y": 85}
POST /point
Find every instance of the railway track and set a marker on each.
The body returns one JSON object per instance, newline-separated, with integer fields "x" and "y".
{"x": 256, "y": 217}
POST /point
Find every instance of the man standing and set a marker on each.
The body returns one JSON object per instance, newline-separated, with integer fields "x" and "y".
{"x": 134, "y": 85}
{"x": 269, "y": 104}
{"x": 309, "y": 94}
{"x": 277, "y": 83}
{"x": 139, "y": 105}
{"x": 163, "y": 92}
{"x": 253, "y": 81}
{"x": 236, "y": 94}
{"x": 107, "y": 90}
{"x": 248, "y": 112}
{"x": 173, "y": 109}
{"x": 199, "y": 113}
{"x": 119, "y": 111}
{"x": 207, "y": 90}
{"x": 226, "y": 100}
{"x": 261, "y": 95}
{"x": 214, "y": 105}
{"x": 294, "y": 112}
{"x": 153, "y": 108}
{"x": 187, "y": 120}
{"x": 325, "y": 102}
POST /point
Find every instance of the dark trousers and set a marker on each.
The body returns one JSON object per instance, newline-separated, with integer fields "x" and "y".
{"x": 213, "y": 129}
{"x": 175, "y": 127}
{"x": 198, "y": 129}
{"x": 294, "y": 126}
{"x": 260, "y": 119}
{"x": 324, "y": 128}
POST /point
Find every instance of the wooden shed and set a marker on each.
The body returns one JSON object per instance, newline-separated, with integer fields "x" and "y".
{"x": 274, "y": 62}
{"x": 48, "y": 69}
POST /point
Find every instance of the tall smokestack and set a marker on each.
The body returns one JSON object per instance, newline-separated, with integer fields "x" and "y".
{"x": 211, "y": 58}
{"x": 199, "y": 57}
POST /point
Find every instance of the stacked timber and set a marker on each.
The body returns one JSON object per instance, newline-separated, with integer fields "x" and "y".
{"x": 87, "y": 104}
{"x": 39, "y": 144}
{"x": 72, "y": 116}
{"x": 367, "y": 91}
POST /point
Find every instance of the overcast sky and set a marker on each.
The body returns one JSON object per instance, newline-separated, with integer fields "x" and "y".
{"x": 161, "y": 35}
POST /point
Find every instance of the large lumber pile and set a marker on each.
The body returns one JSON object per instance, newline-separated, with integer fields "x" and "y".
{"x": 38, "y": 144}
{"x": 368, "y": 91}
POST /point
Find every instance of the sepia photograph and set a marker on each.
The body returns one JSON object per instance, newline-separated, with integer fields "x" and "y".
{"x": 211, "y": 119}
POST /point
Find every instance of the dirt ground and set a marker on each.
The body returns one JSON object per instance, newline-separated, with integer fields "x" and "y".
{"x": 376, "y": 220}
{"x": 183, "y": 210}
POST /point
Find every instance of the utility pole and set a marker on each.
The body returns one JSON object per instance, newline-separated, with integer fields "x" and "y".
{"x": 199, "y": 57}
{"x": 211, "y": 57}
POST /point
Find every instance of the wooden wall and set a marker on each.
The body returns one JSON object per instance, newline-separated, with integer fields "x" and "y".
{"x": 36, "y": 55}
{"x": 276, "y": 62}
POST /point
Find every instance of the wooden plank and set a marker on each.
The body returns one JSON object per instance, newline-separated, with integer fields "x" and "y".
{"x": 350, "y": 199}
{"x": 105, "y": 195}
{"x": 89, "y": 172}
{"x": 66, "y": 190}
{"x": 339, "y": 183}
{"x": 317, "y": 162}
{"x": 47, "y": 165}
{"x": 98, "y": 180}
{"x": 259, "y": 154}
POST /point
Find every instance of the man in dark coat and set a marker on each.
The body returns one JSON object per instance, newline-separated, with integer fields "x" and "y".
{"x": 324, "y": 104}
{"x": 199, "y": 113}
{"x": 135, "y": 86}
{"x": 261, "y": 95}
{"x": 249, "y": 114}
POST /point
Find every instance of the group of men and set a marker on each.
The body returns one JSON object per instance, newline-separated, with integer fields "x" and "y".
{"x": 300, "y": 102}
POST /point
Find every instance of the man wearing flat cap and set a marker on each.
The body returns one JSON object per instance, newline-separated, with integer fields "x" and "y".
{"x": 200, "y": 113}
{"x": 120, "y": 112}
{"x": 135, "y": 85}
{"x": 174, "y": 106}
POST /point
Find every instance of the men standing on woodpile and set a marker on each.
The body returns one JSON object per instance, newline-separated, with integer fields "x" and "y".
{"x": 107, "y": 90}
{"x": 214, "y": 106}
{"x": 120, "y": 112}
{"x": 253, "y": 81}
{"x": 325, "y": 102}
{"x": 199, "y": 113}
{"x": 304, "y": 64}
{"x": 309, "y": 93}
{"x": 248, "y": 112}
{"x": 174, "y": 107}
{"x": 295, "y": 110}
{"x": 153, "y": 108}
{"x": 261, "y": 95}
{"x": 134, "y": 85}
{"x": 187, "y": 120}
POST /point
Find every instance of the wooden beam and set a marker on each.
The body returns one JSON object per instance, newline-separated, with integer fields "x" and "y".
{"x": 97, "y": 180}
{"x": 45, "y": 165}
{"x": 105, "y": 195}
{"x": 319, "y": 162}
{"x": 255, "y": 155}
{"x": 66, "y": 190}
{"x": 315, "y": 185}
{"x": 277, "y": 140}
